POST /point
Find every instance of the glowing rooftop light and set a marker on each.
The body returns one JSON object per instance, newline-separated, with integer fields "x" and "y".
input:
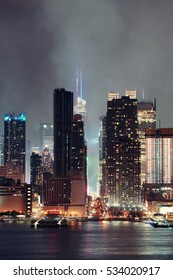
{"x": 10, "y": 117}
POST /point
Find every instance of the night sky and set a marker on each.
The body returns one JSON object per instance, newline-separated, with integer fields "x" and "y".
{"x": 120, "y": 44}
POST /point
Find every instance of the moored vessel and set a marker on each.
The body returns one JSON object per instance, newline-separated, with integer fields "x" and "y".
{"x": 49, "y": 222}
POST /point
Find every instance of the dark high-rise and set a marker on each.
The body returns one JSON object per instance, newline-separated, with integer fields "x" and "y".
{"x": 79, "y": 152}
{"x": 36, "y": 169}
{"x": 63, "y": 120}
{"x": 65, "y": 192}
{"x": 122, "y": 152}
{"x": 102, "y": 158}
{"x": 78, "y": 156}
{"x": 14, "y": 141}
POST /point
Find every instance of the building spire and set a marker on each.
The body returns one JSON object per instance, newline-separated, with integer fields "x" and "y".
{"x": 81, "y": 84}
{"x": 143, "y": 94}
{"x": 77, "y": 85}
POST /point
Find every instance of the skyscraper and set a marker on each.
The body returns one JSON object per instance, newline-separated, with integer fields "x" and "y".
{"x": 102, "y": 157}
{"x": 36, "y": 169}
{"x": 65, "y": 192}
{"x": 14, "y": 141}
{"x": 146, "y": 120}
{"x": 46, "y": 137}
{"x": 1, "y": 150}
{"x": 122, "y": 152}
{"x": 78, "y": 156}
{"x": 159, "y": 161}
{"x": 27, "y": 162}
{"x": 63, "y": 120}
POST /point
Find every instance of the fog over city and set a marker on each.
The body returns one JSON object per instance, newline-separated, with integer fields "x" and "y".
{"x": 119, "y": 44}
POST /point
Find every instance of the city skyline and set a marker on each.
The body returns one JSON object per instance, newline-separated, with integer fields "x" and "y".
{"x": 118, "y": 45}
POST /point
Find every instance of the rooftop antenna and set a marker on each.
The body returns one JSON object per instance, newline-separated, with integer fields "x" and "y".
{"x": 143, "y": 95}
{"x": 77, "y": 84}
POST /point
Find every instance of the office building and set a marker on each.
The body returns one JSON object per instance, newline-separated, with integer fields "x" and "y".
{"x": 47, "y": 161}
{"x": 14, "y": 141}
{"x": 102, "y": 157}
{"x": 11, "y": 170}
{"x": 46, "y": 137}
{"x": 65, "y": 192}
{"x": 36, "y": 169}
{"x": 15, "y": 197}
{"x": 130, "y": 93}
{"x": 63, "y": 120}
{"x": 57, "y": 190}
{"x": 78, "y": 173}
{"x": 113, "y": 95}
{"x": 78, "y": 156}
{"x": 146, "y": 120}
{"x": 1, "y": 150}
{"x": 122, "y": 152}
{"x": 27, "y": 162}
{"x": 159, "y": 161}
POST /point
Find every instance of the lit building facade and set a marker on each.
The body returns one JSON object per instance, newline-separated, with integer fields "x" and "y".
{"x": 11, "y": 170}
{"x": 130, "y": 93}
{"x": 14, "y": 141}
{"x": 57, "y": 192}
{"x": 159, "y": 161}
{"x": 28, "y": 164}
{"x": 46, "y": 137}
{"x": 78, "y": 155}
{"x": 80, "y": 108}
{"x": 102, "y": 158}
{"x": 15, "y": 197}
{"x": 122, "y": 152}
{"x": 36, "y": 169}
{"x": 146, "y": 120}
{"x": 113, "y": 95}
{"x": 78, "y": 172}
{"x": 47, "y": 161}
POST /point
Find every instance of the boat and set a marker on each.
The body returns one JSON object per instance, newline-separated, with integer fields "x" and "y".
{"x": 160, "y": 224}
{"x": 63, "y": 222}
{"x": 44, "y": 223}
{"x": 48, "y": 222}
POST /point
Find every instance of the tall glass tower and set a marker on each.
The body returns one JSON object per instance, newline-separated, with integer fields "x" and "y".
{"x": 63, "y": 121}
{"x": 14, "y": 141}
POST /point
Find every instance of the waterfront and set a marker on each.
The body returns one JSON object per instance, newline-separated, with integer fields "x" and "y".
{"x": 89, "y": 240}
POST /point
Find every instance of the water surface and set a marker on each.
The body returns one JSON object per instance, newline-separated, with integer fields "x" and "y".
{"x": 89, "y": 240}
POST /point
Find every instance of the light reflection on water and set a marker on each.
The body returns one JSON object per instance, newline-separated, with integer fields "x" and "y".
{"x": 88, "y": 240}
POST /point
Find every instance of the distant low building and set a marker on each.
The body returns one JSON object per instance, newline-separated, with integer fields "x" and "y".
{"x": 15, "y": 197}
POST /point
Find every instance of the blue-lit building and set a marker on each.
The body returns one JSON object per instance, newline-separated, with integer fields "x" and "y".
{"x": 14, "y": 141}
